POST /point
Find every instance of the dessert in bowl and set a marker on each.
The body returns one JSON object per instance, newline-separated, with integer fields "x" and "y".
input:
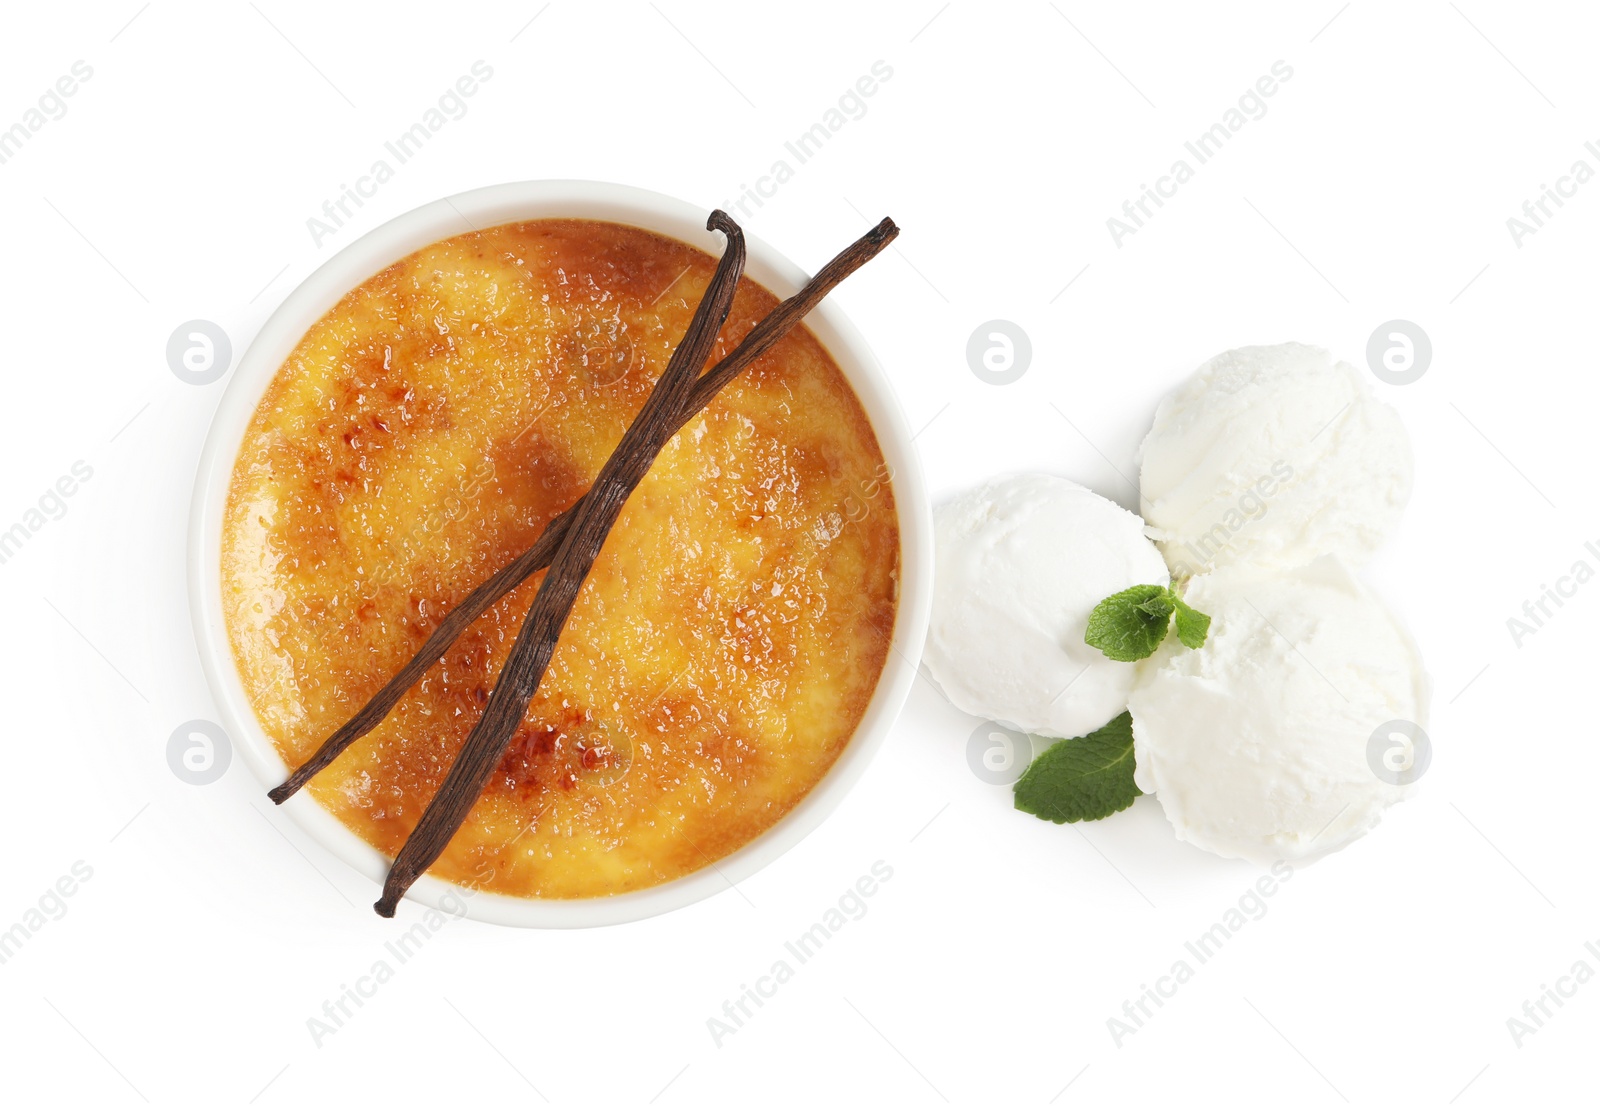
{"x": 408, "y": 423}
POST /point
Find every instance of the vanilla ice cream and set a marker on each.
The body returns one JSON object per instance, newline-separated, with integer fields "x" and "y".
{"x": 1018, "y": 565}
{"x": 1272, "y": 456}
{"x": 1261, "y": 743}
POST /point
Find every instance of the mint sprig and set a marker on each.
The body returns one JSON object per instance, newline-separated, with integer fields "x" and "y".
{"x": 1129, "y": 625}
{"x": 1192, "y": 624}
{"x": 1082, "y": 779}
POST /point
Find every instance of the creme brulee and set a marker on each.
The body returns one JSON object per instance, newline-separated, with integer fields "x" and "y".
{"x": 422, "y": 434}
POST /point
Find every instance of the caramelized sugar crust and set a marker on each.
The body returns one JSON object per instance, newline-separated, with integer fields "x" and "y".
{"x": 424, "y": 432}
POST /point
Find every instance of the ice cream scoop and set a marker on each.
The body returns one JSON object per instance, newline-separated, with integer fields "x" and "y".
{"x": 1019, "y": 563}
{"x": 1294, "y": 728}
{"x": 1272, "y": 456}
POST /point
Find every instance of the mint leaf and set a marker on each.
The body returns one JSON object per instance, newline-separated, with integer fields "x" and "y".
{"x": 1192, "y": 624}
{"x": 1130, "y": 624}
{"x": 1082, "y": 779}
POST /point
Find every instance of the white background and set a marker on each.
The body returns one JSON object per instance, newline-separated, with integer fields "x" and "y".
{"x": 1378, "y": 185}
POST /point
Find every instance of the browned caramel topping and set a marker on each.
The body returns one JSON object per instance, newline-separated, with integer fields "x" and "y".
{"x": 420, "y": 437}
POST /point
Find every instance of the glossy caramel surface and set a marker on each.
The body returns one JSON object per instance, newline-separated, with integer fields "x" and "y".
{"x": 423, "y": 433}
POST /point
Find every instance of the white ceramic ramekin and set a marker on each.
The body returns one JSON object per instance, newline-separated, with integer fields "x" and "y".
{"x": 486, "y": 207}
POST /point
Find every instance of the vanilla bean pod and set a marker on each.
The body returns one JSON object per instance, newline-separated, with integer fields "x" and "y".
{"x": 762, "y": 337}
{"x": 525, "y": 667}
